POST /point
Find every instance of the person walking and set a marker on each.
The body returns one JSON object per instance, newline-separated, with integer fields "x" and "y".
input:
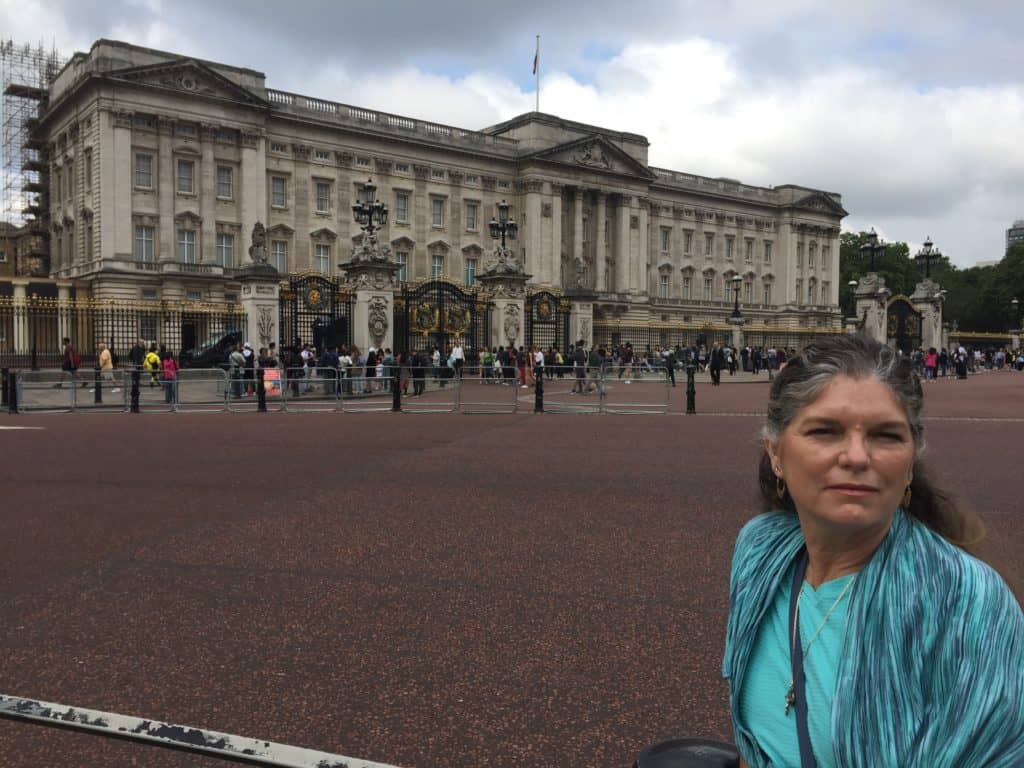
{"x": 138, "y": 354}
{"x": 715, "y": 364}
{"x": 169, "y": 375}
{"x": 152, "y": 365}
{"x": 236, "y": 365}
{"x": 579, "y": 366}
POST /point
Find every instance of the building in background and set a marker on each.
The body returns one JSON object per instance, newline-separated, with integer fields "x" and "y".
{"x": 1015, "y": 234}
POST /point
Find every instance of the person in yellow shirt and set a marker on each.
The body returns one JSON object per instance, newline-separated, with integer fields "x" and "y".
{"x": 152, "y": 364}
{"x": 106, "y": 365}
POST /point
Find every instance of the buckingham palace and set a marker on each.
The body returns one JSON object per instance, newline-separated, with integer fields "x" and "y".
{"x": 160, "y": 166}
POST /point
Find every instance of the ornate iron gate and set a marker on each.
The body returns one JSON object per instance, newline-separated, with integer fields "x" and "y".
{"x": 547, "y": 320}
{"x": 904, "y": 325}
{"x": 316, "y": 310}
{"x": 437, "y": 313}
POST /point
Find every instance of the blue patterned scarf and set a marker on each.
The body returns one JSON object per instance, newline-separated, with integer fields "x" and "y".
{"x": 932, "y": 665}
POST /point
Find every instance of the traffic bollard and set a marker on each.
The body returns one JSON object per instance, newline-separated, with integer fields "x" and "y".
{"x": 4, "y": 378}
{"x": 261, "y": 391}
{"x": 135, "y": 391}
{"x": 538, "y": 389}
{"x": 691, "y": 389}
{"x": 396, "y": 390}
{"x": 98, "y": 388}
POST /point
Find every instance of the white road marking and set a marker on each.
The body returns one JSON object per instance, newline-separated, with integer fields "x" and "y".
{"x": 4, "y": 427}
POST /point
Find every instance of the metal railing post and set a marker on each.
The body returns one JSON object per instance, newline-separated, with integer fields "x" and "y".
{"x": 538, "y": 389}
{"x": 98, "y": 386}
{"x": 261, "y": 392}
{"x": 4, "y": 378}
{"x": 35, "y": 359}
{"x": 396, "y": 389}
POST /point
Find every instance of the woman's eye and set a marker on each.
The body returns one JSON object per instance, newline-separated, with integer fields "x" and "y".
{"x": 821, "y": 431}
{"x": 894, "y": 436}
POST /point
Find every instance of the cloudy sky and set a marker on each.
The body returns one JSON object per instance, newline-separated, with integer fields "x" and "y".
{"x": 913, "y": 111}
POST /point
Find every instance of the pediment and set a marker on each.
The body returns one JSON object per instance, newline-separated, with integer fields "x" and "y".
{"x": 403, "y": 242}
{"x": 821, "y": 203}
{"x": 594, "y": 153}
{"x": 189, "y": 76}
{"x": 438, "y": 246}
{"x": 324, "y": 234}
{"x": 280, "y": 230}
{"x": 472, "y": 249}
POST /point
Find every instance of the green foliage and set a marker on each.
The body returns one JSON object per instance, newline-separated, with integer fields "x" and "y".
{"x": 977, "y": 299}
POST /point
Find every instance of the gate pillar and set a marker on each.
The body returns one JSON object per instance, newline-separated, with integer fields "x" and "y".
{"x": 21, "y": 340}
{"x": 581, "y": 319}
{"x": 507, "y": 293}
{"x": 260, "y": 299}
{"x": 872, "y": 295}
{"x": 371, "y": 276}
{"x": 927, "y": 299}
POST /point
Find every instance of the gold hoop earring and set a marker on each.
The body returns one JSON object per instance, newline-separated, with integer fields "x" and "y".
{"x": 907, "y": 495}
{"x": 780, "y": 488}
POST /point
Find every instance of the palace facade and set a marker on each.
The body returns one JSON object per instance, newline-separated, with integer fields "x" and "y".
{"x": 160, "y": 165}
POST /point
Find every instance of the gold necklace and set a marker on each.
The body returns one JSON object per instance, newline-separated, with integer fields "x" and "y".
{"x": 791, "y": 693}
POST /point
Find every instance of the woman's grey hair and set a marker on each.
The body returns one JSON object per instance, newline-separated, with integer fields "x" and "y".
{"x": 861, "y": 357}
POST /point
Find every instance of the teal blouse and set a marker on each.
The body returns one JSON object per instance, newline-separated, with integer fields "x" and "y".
{"x": 762, "y": 703}
{"x": 930, "y": 671}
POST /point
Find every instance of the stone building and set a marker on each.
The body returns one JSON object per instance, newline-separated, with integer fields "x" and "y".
{"x": 161, "y": 165}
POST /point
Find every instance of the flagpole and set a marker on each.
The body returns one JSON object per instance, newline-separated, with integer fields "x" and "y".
{"x": 537, "y": 73}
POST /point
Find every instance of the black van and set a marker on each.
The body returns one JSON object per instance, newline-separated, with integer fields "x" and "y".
{"x": 213, "y": 354}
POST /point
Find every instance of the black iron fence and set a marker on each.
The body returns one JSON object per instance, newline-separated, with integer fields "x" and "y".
{"x": 31, "y": 331}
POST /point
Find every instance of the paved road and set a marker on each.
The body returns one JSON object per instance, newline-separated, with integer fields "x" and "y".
{"x": 434, "y": 590}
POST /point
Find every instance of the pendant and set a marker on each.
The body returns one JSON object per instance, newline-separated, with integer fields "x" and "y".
{"x": 790, "y": 699}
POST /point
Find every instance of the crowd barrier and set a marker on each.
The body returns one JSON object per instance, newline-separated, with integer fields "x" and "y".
{"x": 316, "y": 390}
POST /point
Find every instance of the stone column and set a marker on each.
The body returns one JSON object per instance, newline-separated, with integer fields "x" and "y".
{"x": 64, "y": 311}
{"x": 508, "y": 318}
{"x": 600, "y": 248}
{"x": 577, "y": 228}
{"x": 21, "y": 341}
{"x": 927, "y": 299}
{"x": 553, "y": 263}
{"x": 261, "y": 285}
{"x": 370, "y": 274}
{"x": 303, "y": 205}
{"x": 207, "y": 190}
{"x": 118, "y": 226}
{"x": 643, "y": 246}
{"x": 622, "y": 244}
{"x": 534, "y": 224}
{"x": 166, "y": 191}
{"x": 253, "y": 181}
{"x": 872, "y": 295}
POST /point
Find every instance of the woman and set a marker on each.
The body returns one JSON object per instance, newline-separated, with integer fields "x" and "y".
{"x": 169, "y": 371}
{"x": 860, "y": 633}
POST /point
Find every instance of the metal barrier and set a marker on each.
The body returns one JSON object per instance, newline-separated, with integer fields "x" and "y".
{"x": 640, "y": 395}
{"x": 438, "y": 396}
{"x": 44, "y": 391}
{"x": 198, "y": 390}
{"x": 307, "y": 391}
{"x": 222, "y": 746}
{"x": 488, "y": 393}
{"x": 574, "y": 395}
{"x": 98, "y": 391}
{"x": 362, "y": 394}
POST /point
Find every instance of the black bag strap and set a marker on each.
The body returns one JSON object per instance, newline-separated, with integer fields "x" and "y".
{"x": 797, "y": 660}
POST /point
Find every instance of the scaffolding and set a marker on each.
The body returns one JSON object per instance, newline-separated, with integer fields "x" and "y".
{"x": 26, "y": 73}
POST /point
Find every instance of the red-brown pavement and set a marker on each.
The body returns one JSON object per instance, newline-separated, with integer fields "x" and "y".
{"x": 422, "y": 590}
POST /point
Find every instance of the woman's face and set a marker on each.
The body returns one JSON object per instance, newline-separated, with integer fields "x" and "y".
{"x": 847, "y": 458}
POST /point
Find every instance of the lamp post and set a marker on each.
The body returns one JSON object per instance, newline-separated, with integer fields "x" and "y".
{"x": 502, "y": 227}
{"x": 874, "y": 246}
{"x": 370, "y": 213}
{"x": 926, "y": 256}
{"x": 853, "y": 297}
{"x": 1015, "y": 313}
{"x": 736, "y": 281}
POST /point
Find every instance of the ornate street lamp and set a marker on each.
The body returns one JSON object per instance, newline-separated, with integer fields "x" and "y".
{"x": 1015, "y": 313}
{"x": 853, "y": 297}
{"x": 370, "y": 213}
{"x": 736, "y": 281}
{"x": 874, "y": 246}
{"x": 502, "y": 227}
{"x": 927, "y": 255}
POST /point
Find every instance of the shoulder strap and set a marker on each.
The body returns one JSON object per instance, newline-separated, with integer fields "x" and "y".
{"x": 797, "y": 659}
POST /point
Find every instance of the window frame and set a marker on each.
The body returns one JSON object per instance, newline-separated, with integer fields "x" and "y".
{"x": 140, "y": 254}
{"x": 189, "y": 244}
{"x": 322, "y": 251}
{"x": 179, "y": 163}
{"x": 279, "y": 260}
{"x": 664, "y": 285}
{"x": 230, "y": 182}
{"x": 223, "y": 239}
{"x": 402, "y": 216}
{"x": 474, "y": 207}
{"x": 135, "y": 170}
{"x": 435, "y": 202}
{"x": 318, "y": 185}
{"x": 470, "y": 270}
{"x": 437, "y": 265}
{"x": 402, "y": 259}
{"x": 284, "y": 192}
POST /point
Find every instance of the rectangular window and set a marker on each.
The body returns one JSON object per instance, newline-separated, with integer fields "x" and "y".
{"x": 88, "y": 170}
{"x": 767, "y": 251}
{"x": 687, "y": 242}
{"x": 709, "y": 244}
{"x": 799, "y": 291}
{"x": 322, "y": 155}
{"x": 71, "y": 180}
{"x": 143, "y": 170}
{"x": 812, "y": 252}
{"x": 226, "y": 250}
{"x": 225, "y": 182}
{"x": 811, "y": 293}
{"x": 323, "y": 197}
{"x": 709, "y": 288}
{"x": 799, "y": 255}
{"x": 472, "y": 179}
{"x": 402, "y": 259}
{"x": 363, "y": 161}
{"x": 663, "y": 286}
{"x": 437, "y": 265}
{"x": 278, "y": 191}
{"x": 826, "y": 256}
{"x": 186, "y": 246}
{"x": 276, "y": 146}
{"x": 666, "y": 238}
{"x": 144, "y": 237}
{"x": 748, "y": 291}
{"x": 436, "y": 174}
{"x": 472, "y": 210}
{"x": 323, "y": 259}
{"x": 279, "y": 255}
{"x": 729, "y": 249}
{"x": 88, "y": 242}
{"x": 186, "y": 176}
{"x": 193, "y": 295}
{"x": 686, "y": 287}
{"x": 57, "y": 188}
{"x": 401, "y": 167}
{"x": 766, "y": 294}
{"x": 402, "y": 208}
{"x": 3, "y": 256}
{"x": 826, "y": 294}
{"x": 436, "y": 212}
{"x": 147, "y": 325}
{"x": 748, "y": 250}
{"x": 470, "y": 272}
